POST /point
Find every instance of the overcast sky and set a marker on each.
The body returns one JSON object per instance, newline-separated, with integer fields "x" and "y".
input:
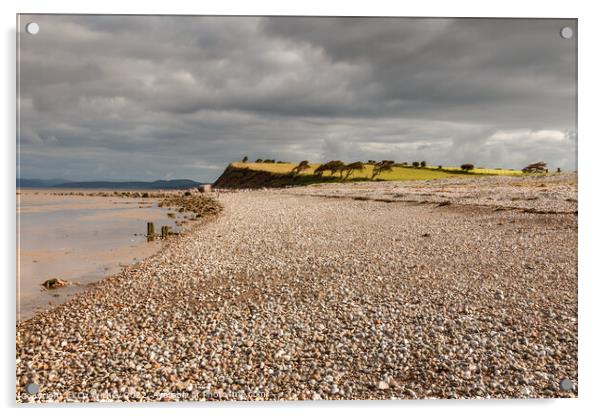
{"x": 140, "y": 97}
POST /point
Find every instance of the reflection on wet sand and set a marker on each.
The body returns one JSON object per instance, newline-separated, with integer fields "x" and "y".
{"x": 80, "y": 239}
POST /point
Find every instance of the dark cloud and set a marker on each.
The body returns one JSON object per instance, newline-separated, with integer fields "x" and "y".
{"x": 146, "y": 97}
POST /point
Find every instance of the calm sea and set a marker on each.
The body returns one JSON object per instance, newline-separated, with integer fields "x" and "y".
{"x": 77, "y": 238}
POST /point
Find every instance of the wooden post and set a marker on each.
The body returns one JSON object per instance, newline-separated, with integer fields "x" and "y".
{"x": 164, "y": 232}
{"x": 150, "y": 231}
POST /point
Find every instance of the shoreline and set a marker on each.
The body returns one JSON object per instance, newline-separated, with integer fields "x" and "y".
{"x": 123, "y": 273}
{"x": 75, "y": 284}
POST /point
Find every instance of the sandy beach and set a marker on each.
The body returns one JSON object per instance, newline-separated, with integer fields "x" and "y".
{"x": 463, "y": 288}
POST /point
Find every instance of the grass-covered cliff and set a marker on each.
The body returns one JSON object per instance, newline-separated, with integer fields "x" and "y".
{"x": 278, "y": 175}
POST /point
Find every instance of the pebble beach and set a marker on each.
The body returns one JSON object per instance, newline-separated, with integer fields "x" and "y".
{"x": 453, "y": 288}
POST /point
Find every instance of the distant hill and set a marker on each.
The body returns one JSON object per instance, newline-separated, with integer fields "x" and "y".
{"x": 39, "y": 183}
{"x": 170, "y": 184}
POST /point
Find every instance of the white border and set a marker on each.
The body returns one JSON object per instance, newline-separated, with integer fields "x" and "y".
{"x": 589, "y": 185}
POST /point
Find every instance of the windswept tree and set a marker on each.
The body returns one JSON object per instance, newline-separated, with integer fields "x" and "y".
{"x": 467, "y": 166}
{"x": 350, "y": 168}
{"x": 538, "y": 167}
{"x": 303, "y": 165}
{"x": 380, "y": 167}
{"x": 245, "y": 159}
{"x": 423, "y": 164}
{"x": 337, "y": 166}
{"x": 319, "y": 171}
{"x": 333, "y": 167}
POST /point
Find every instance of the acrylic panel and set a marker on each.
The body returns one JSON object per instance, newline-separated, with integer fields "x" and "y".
{"x": 216, "y": 208}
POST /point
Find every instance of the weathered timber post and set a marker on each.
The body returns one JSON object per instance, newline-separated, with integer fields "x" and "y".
{"x": 164, "y": 232}
{"x": 150, "y": 231}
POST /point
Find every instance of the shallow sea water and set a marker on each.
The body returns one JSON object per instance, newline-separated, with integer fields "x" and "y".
{"x": 80, "y": 239}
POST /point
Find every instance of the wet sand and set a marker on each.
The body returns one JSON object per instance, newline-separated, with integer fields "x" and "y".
{"x": 80, "y": 239}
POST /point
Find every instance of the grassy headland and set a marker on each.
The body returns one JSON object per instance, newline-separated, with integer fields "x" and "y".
{"x": 281, "y": 174}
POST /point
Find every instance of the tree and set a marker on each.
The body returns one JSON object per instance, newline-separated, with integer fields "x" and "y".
{"x": 319, "y": 170}
{"x": 337, "y": 166}
{"x": 380, "y": 167}
{"x": 416, "y": 164}
{"x": 259, "y": 161}
{"x": 423, "y": 164}
{"x": 303, "y": 165}
{"x": 359, "y": 166}
{"x": 244, "y": 159}
{"x": 538, "y": 167}
{"x": 333, "y": 167}
{"x": 467, "y": 166}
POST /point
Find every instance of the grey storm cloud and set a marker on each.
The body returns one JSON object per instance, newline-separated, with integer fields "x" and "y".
{"x": 155, "y": 97}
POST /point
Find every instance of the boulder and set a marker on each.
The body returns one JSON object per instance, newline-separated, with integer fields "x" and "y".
{"x": 205, "y": 188}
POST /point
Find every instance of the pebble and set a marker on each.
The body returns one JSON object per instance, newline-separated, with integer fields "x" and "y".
{"x": 382, "y": 385}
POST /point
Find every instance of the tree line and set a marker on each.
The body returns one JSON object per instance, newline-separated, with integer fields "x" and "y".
{"x": 346, "y": 170}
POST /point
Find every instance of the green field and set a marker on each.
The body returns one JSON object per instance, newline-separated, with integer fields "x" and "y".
{"x": 396, "y": 174}
{"x": 484, "y": 171}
